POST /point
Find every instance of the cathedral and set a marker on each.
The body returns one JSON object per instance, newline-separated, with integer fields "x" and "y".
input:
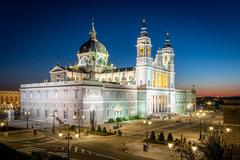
{"x": 97, "y": 90}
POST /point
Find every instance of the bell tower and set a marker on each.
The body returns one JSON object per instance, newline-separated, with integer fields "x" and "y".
{"x": 144, "y": 42}
{"x": 144, "y": 60}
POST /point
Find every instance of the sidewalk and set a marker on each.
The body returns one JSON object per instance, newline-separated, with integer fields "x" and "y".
{"x": 26, "y": 136}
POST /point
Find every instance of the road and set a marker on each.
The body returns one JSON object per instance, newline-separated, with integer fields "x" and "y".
{"x": 110, "y": 147}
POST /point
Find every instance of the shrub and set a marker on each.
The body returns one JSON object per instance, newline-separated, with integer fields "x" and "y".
{"x": 72, "y": 127}
{"x": 119, "y": 119}
{"x": 111, "y": 120}
{"x": 104, "y": 130}
{"x": 136, "y": 117}
{"x": 153, "y": 137}
{"x": 161, "y": 138}
{"x": 99, "y": 129}
{"x": 119, "y": 132}
{"x": 170, "y": 137}
{"x": 93, "y": 129}
{"x": 125, "y": 118}
{"x": 131, "y": 117}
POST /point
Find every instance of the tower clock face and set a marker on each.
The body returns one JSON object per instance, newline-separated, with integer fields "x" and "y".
{"x": 100, "y": 61}
{"x": 84, "y": 60}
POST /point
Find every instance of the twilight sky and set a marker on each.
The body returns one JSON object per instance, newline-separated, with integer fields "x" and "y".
{"x": 37, "y": 34}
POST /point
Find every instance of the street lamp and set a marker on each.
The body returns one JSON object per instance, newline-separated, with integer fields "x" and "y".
{"x": 147, "y": 122}
{"x": 211, "y": 128}
{"x": 194, "y": 147}
{"x": 228, "y": 130}
{"x": 78, "y": 118}
{"x": 117, "y": 110}
{"x": 60, "y": 134}
{"x": 132, "y": 113}
{"x": 170, "y": 145}
{"x": 27, "y": 114}
{"x": 54, "y": 115}
{"x": 190, "y": 107}
{"x": 2, "y": 124}
{"x": 200, "y": 114}
{"x": 6, "y": 114}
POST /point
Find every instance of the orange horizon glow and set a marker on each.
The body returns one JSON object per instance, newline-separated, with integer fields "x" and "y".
{"x": 217, "y": 90}
{"x": 217, "y": 94}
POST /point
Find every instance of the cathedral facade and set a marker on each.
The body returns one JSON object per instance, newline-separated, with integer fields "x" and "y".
{"x": 97, "y": 90}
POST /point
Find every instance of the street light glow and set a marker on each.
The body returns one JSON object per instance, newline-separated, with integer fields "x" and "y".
{"x": 60, "y": 134}
{"x": 170, "y": 145}
{"x": 228, "y": 129}
{"x": 77, "y": 135}
{"x": 211, "y": 128}
{"x": 2, "y": 124}
{"x": 194, "y": 148}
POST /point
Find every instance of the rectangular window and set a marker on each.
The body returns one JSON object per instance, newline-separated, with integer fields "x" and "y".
{"x": 76, "y": 94}
{"x": 46, "y": 113}
{"x": 107, "y": 95}
{"x": 107, "y": 112}
{"x": 65, "y": 93}
{"x": 46, "y": 95}
{"x": 31, "y": 95}
{"x": 65, "y": 114}
{"x": 126, "y": 111}
{"x": 114, "y": 94}
{"x": 38, "y": 112}
{"x": 56, "y": 94}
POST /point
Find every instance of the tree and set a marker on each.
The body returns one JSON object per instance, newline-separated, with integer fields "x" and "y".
{"x": 119, "y": 119}
{"x": 93, "y": 129}
{"x": 111, "y": 120}
{"x": 99, "y": 129}
{"x": 152, "y": 137}
{"x": 170, "y": 137}
{"x": 161, "y": 138}
{"x": 104, "y": 130}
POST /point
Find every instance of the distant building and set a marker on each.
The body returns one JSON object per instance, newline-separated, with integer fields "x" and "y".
{"x": 100, "y": 91}
{"x": 231, "y": 119}
{"x": 9, "y": 98}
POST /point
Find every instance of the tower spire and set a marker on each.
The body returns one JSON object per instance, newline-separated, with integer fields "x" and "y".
{"x": 167, "y": 41}
{"x": 144, "y": 28}
{"x": 93, "y": 33}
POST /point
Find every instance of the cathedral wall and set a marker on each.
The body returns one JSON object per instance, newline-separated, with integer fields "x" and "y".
{"x": 185, "y": 101}
{"x": 118, "y": 77}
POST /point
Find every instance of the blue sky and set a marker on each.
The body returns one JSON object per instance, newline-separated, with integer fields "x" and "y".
{"x": 36, "y": 35}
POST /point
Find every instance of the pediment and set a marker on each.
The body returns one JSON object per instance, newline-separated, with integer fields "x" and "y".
{"x": 57, "y": 69}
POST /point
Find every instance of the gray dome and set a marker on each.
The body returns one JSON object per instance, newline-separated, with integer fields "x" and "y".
{"x": 92, "y": 45}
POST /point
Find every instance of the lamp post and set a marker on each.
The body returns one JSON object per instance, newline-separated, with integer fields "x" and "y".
{"x": 194, "y": 149}
{"x": 132, "y": 114}
{"x": 147, "y": 122}
{"x": 60, "y": 134}
{"x": 117, "y": 110}
{"x": 27, "y": 114}
{"x": 54, "y": 115}
{"x": 190, "y": 107}
{"x": 6, "y": 114}
{"x": 78, "y": 117}
{"x": 200, "y": 114}
{"x": 2, "y": 124}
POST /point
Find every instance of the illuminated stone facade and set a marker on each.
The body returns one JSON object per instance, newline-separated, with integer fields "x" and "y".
{"x": 96, "y": 88}
{"x": 9, "y": 99}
